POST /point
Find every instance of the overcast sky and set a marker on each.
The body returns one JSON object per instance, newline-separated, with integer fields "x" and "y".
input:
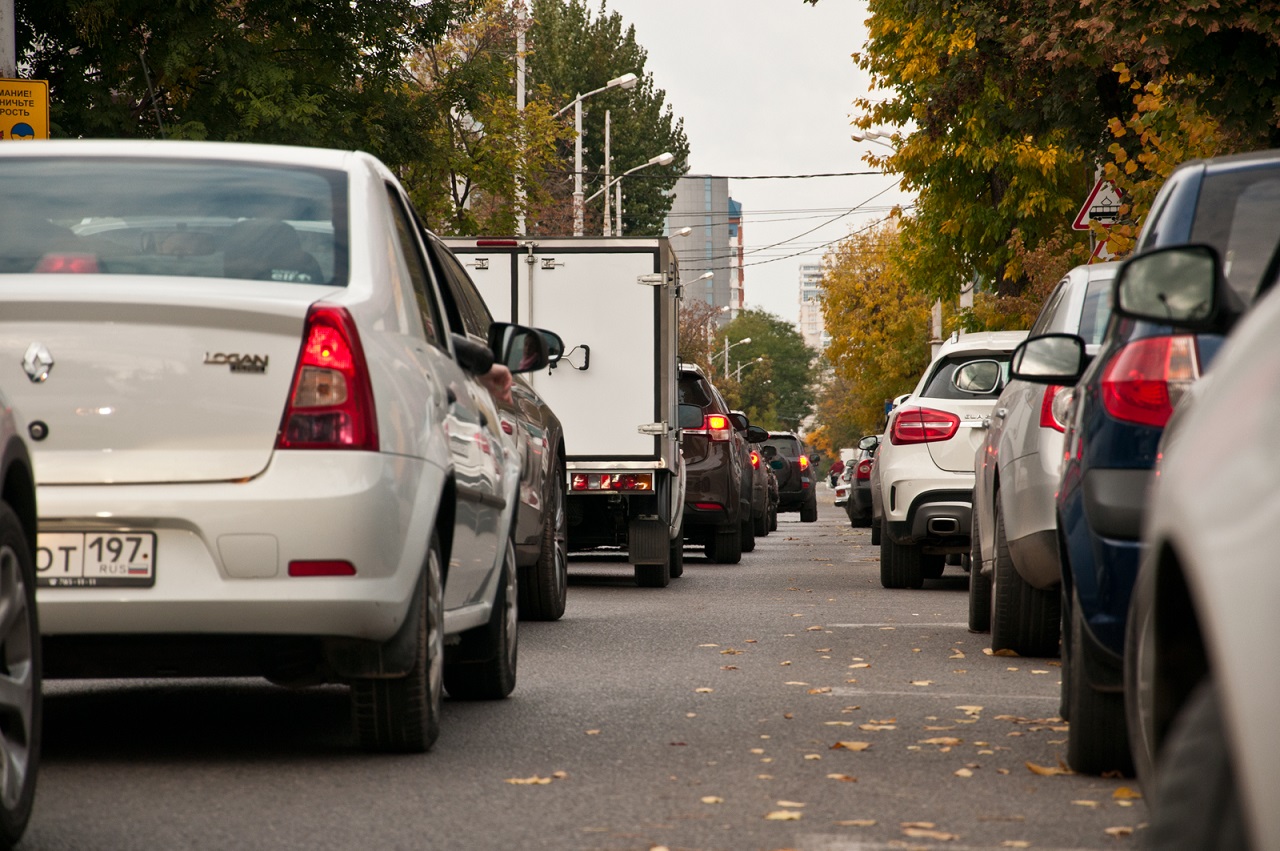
{"x": 766, "y": 87}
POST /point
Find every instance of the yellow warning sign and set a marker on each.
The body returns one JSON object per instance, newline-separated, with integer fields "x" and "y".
{"x": 24, "y": 110}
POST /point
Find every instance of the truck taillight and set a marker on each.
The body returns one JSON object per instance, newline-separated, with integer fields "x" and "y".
{"x": 923, "y": 425}
{"x": 331, "y": 399}
{"x": 863, "y": 471}
{"x": 1144, "y": 381}
{"x": 611, "y": 482}
{"x": 717, "y": 426}
{"x": 1053, "y": 407}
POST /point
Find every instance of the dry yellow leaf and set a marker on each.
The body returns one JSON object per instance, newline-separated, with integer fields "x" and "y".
{"x": 704, "y": 690}
{"x": 925, "y": 825}
{"x": 659, "y": 848}
{"x": 593, "y": 732}
{"x": 708, "y": 645}
{"x": 757, "y": 750}
{"x": 1015, "y": 843}
{"x": 838, "y": 723}
{"x": 529, "y": 781}
{"x": 851, "y": 746}
{"x": 1124, "y": 793}
{"x": 751, "y": 641}
{"x": 957, "y": 655}
{"x": 783, "y": 815}
{"x": 861, "y": 665}
{"x": 922, "y": 682}
{"x": 936, "y": 729}
{"x": 712, "y": 799}
{"x": 728, "y": 667}
{"x": 784, "y": 663}
{"x": 857, "y": 822}
{"x": 843, "y": 778}
{"x": 942, "y": 740}
{"x": 790, "y": 804}
{"x": 1005, "y": 651}
{"x": 1085, "y": 803}
{"x": 1048, "y": 771}
{"x": 814, "y": 628}
{"x": 731, "y": 652}
{"x": 970, "y": 710}
{"x": 794, "y": 683}
{"x": 871, "y": 728}
{"x": 963, "y": 772}
{"x": 820, "y": 690}
{"x": 560, "y": 775}
{"x": 812, "y": 756}
{"x": 918, "y": 833}
{"x": 823, "y": 650}
{"x": 1118, "y": 831}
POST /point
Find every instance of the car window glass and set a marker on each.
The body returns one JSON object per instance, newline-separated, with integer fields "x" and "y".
{"x": 1097, "y": 310}
{"x": 694, "y": 392}
{"x": 406, "y": 236}
{"x": 786, "y": 447}
{"x": 475, "y": 314}
{"x": 1236, "y": 214}
{"x": 1049, "y": 310}
{"x": 940, "y": 386}
{"x": 178, "y": 217}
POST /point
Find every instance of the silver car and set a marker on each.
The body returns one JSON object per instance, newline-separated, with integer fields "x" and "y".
{"x": 1014, "y": 590}
{"x": 260, "y": 451}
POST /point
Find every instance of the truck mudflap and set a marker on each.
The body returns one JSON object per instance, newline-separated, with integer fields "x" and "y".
{"x": 648, "y": 541}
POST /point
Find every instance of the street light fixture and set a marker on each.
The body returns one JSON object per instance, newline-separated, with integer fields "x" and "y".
{"x": 626, "y": 81}
{"x": 737, "y": 374}
{"x": 665, "y": 158}
{"x": 727, "y": 347}
{"x": 873, "y": 136}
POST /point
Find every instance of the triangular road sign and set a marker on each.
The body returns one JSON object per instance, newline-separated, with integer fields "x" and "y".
{"x": 1102, "y": 206}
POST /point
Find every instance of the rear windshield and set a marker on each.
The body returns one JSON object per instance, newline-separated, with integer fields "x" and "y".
{"x": 694, "y": 391}
{"x": 1096, "y": 311}
{"x": 940, "y": 385}
{"x": 785, "y": 447}
{"x": 1236, "y": 214}
{"x": 196, "y": 218}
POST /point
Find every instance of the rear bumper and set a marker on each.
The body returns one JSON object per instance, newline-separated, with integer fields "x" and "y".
{"x": 935, "y": 519}
{"x": 223, "y": 549}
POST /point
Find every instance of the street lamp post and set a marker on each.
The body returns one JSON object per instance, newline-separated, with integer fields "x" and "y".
{"x": 664, "y": 158}
{"x": 626, "y": 81}
{"x": 737, "y": 374}
{"x": 873, "y": 136}
{"x": 727, "y": 347}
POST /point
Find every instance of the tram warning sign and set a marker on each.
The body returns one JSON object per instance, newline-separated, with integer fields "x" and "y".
{"x": 1102, "y": 206}
{"x": 24, "y": 110}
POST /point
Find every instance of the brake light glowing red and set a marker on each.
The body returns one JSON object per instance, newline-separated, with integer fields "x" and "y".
{"x": 755, "y": 460}
{"x": 923, "y": 425}
{"x": 331, "y": 399}
{"x": 804, "y": 462}
{"x": 1051, "y": 413}
{"x": 81, "y": 264}
{"x": 1144, "y": 381}
{"x": 717, "y": 426}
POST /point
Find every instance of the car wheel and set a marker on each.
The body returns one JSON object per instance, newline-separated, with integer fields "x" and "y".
{"x": 875, "y": 534}
{"x": 1098, "y": 738}
{"x": 725, "y": 545}
{"x": 748, "y": 536}
{"x": 809, "y": 511}
{"x": 22, "y": 703}
{"x": 760, "y": 524}
{"x": 402, "y": 714}
{"x": 979, "y": 583}
{"x": 932, "y": 565}
{"x": 482, "y": 666}
{"x": 773, "y": 519}
{"x": 544, "y": 585}
{"x": 900, "y": 565}
{"x": 1024, "y": 619}
{"x": 676, "y": 557}
{"x": 1195, "y": 803}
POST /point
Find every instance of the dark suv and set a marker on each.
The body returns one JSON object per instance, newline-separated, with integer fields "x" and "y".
{"x": 784, "y": 452}
{"x": 717, "y": 457}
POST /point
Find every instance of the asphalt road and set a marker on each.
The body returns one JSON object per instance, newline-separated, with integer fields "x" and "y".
{"x": 706, "y": 715}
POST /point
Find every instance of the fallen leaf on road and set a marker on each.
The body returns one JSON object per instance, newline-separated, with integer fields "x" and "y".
{"x": 708, "y": 645}
{"x": 712, "y": 799}
{"x": 1049, "y": 771}
{"x": 704, "y": 690}
{"x": 963, "y": 772}
{"x": 843, "y": 778}
{"x": 1124, "y": 793}
{"x": 659, "y": 848}
{"x": 750, "y": 641}
{"x": 860, "y": 665}
{"x": 938, "y": 729}
{"x": 1085, "y": 803}
{"x": 942, "y": 740}
{"x": 783, "y": 815}
{"x": 1015, "y": 843}
{"x": 820, "y": 690}
{"x": 794, "y": 683}
{"x": 790, "y": 804}
{"x": 872, "y": 728}
{"x": 918, "y": 833}
{"x": 956, "y": 655}
{"x": 784, "y": 663}
{"x": 815, "y": 628}
{"x": 757, "y": 750}
{"x": 728, "y": 667}
{"x": 1004, "y": 651}
{"x": 838, "y": 723}
{"x": 926, "y": 825}
{"x": 850, "y": 746}
{"x": 857, "y": 822}
{"x": 731, "y": 652}
{"x": 823, "y": 650}
{"x": 970, "y": 710}
{"x": 812, "y": 756}
{"x": 678, "y": 744}
{"x": 593, "y": 732}
{"x": 922, "y": 682}
{"x": 529, "y": 781}
{"x": 1118, "y": 831}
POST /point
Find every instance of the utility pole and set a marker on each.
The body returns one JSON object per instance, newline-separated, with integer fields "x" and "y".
{"x": 520, "y": 96}
{"x": 8, "y": 42}
{"x": 607, "y": 224}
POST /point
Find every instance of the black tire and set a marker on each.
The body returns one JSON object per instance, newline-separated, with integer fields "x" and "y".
{"x": 725, "y": 544}
{"x": 773, "y": 519}
{"x": 482, "y": 666}
{"x": 544, "y": 585}
{"x": 932, "y": 565}
{"x": 20, "y": 652}
{"x": 875, "y": 534}
{"x": 979, "y": 584}
{"x": 1098, "y": 738}
{"x": 809, "y": 512}
{"x": 900, "y": 565}
{"x": 748, "y": 536}
{"x": 1024, "y": 619}
{"x": 654, "y": 575}
{"x": 760, "y": 524}
{"x": 402, "y": 715}
{"x": 1196, "y": 801}
{"x": 676, "y": 557}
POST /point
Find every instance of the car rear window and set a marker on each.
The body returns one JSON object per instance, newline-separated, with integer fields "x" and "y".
{"x": 1236, "y": 214}
{"x": 193, "y": 218}
{"x": 939, "y": 385}
{"x": 786, "y": 447}
{"x": 694, "y": 391}
{"x": 1097, "y": 310}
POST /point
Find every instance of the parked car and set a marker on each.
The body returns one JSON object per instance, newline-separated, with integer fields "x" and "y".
{"x": 20, "y": 703}
{"x": 925, "y": 467}
{"x": 1014, "y": 576}
{"x": 842, "y": 486}
{"x": 784, "y": 453}
{"x": 1201, "y": 709}
{"x": 261, "y": 451}
{"x": 542, "y": 530}
{"x": 1122, "y": 401}
{"x": 858, "y": 506}
{"x": 762, "y": 468}
{"x": 759, "y": 475}
{"x": 717, "y": 496}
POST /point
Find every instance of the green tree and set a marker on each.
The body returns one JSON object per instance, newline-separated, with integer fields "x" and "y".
{"x": 573, "y": 52}
{"x": 778, "y": 392}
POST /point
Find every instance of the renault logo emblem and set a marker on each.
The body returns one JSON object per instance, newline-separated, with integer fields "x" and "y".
{"x": 37, "y": 362}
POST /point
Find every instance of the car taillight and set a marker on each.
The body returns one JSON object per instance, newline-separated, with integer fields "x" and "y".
{"x": 717, "y": 426}
{"x": 863, "y": 472}
{"x": 1144, "y": 381}
{"x": 81, "y": 264}
{"x": 804, "y": 462}
{"x": 331, "y": 399}
{"x": 1052, "y": 412}
{"x": 923, "y": 425}
{"x": 755, "y": 460}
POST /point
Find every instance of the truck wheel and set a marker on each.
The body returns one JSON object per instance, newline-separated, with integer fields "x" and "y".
{"x": 979, "y": 584}
{"x": 544, "y": 585}
{"x": 22, "y": 704}
{"x": 1098, "y": 738}
{"x": 1023, "y": 619}
{"x": 676, "y": 556}
{"x": 747, "y": 535}
{"x": 725, "y": 544}
{"x": 402, "y": 715}
{"x": 654, "y": 575}
{"x": 483, "y": 664}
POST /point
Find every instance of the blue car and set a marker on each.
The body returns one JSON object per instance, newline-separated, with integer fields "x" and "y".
{"x": 1123, "y": 399}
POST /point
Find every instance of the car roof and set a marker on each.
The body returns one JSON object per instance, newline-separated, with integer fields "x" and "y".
{"x": 982, "y": 341}
{"x": 157, "y": 148}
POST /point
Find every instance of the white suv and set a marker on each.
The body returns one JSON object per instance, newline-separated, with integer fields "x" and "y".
{"x": 926, "y": 463}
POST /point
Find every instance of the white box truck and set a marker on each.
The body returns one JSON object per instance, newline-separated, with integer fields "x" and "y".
{"x": 615, "y": 303}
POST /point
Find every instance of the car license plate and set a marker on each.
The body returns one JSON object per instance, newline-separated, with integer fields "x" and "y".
{"x": 95, "y": 559}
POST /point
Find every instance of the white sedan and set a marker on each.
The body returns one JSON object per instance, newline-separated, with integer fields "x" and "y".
{"x": 258, "y": 451}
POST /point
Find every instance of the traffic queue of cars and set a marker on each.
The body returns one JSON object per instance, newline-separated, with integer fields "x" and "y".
{"x": 1123, "y": 506}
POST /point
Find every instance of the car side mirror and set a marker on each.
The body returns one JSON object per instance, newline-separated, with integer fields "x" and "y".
{"x": 1050, "y": 359}
{"x": 869, "y": 443}
{"x": 756, "y": 434}
{"x": 555, "y": 345}
{"x": 978, "y": 377}
{"x": 739, "y": 420}
{"x": 520, "y": 348}
{"x": 690, "y": 416}
{"x": 1174, "y": 285}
